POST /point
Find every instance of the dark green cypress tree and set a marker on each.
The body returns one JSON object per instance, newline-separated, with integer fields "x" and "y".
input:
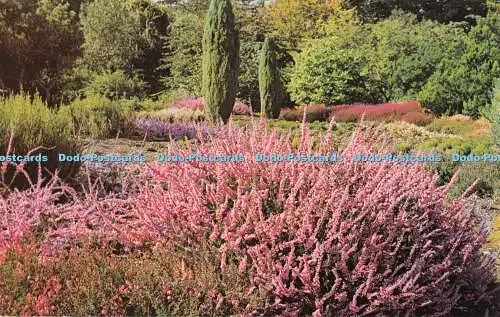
{"x": 269, "y": 81}
{"x": 220, "y": 61}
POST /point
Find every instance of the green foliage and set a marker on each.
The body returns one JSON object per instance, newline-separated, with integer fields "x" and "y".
{"x": 39, "y": 40}
{"x": 401, "y": 58}
{"x": 169, "y": 97}
{"x": 154, "y": 24}
{"x": 252, "y": 31}
{"x": 403, "y": 53}
{"x": 220, "y": 61}
{"x": 183, "y": 50}
{"x": 75, "y": 81}
{"x": 269, "y": 81}
{"x": 99, "y": 117}
{"x": 248, "y": 79}
{"x": 36, "y": 128}
{"x": 112, "y": 34}
{"x": 442, "y": 11}
{"x": 292, "y": 21}
{"x": 403, "y": 147}
{"x": 329, "y": 71}
{"x": 459, "y": 145}
{"x": 371, "y": 63}
{"x": 486, "y": 174}
{"x": 463, "y": 81}
{"x": 126, "y": 36}
{"x": 116, "y": 85}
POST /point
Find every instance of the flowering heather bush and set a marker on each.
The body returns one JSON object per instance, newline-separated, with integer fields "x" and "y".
{"x": 403, "y": 131}
{"x": 241, "y": 108}
{"x": 190, "y": 103}
{"x": 174, "y": 115}
{"x": 382, "y": 112}
{"x": 313, "y": 113}
{"x": 344, "y": 239}
{"x": 159, "y": 130}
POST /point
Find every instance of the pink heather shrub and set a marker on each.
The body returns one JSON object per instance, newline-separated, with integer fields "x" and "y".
{"x": 241, "y": 108}
{"x": 340, "y": 239}
{"x": 382, "y": 112}
{"x": 190, "y": 103}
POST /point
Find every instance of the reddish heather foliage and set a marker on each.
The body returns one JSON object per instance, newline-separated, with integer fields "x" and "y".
{"x": 417, "y": 118}
{"x": 40, "y": 304}
{"x": 347, "y": 238}
{"x": 382, "y": 112}
{"x": 313, "y": 113}
{"x": 190, "y": 103}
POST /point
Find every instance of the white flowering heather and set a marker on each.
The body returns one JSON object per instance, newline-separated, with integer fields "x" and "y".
{"x": 336, "y": 239}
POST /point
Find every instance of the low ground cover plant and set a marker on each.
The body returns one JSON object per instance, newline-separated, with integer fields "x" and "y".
{"x": 92, "y": 280}
{"x": 382, "y": 112}
{"x": 417, "y": 118}
{"x": 312, "y": 113}
{"x": 410, "y": 112}
{"x": 457, "y": 145}
{"x": 152, "y": 129}
{"x": 461, "y": 125}
{"x": 404, "y": 132}
{"x": 347, "y": 238}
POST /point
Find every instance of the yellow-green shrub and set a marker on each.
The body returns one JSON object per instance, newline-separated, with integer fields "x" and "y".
{"x": 460, "y": 125}
{"x": 459, "y": 145}
{"x": 99, "y": 117}
{"x": 32, "y": 124}
{"x": 486, "y": 174}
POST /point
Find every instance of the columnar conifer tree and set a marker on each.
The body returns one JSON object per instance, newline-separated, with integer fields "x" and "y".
{"x": 220, "y": 61}
{"x": 269, "y": 81}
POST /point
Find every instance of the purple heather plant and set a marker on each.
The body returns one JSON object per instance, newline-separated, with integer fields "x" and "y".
{"x": 161, "y": 130}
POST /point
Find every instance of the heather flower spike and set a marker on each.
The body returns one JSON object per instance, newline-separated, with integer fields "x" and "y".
{"x": 347, "y": 239}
